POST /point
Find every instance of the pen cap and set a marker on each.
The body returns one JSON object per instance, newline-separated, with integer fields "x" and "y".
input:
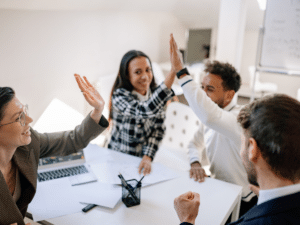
{"x": 127, "y": 197}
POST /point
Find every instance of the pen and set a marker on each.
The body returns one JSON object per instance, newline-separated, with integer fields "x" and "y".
{"x": 137, "y": 185}
{"x": 88, "y": 207}
{"x": 128, "y": 188}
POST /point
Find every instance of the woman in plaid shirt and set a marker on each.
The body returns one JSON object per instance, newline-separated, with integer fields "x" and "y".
{"x": 137, "y": 108}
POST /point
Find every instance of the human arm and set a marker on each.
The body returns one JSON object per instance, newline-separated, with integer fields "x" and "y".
{"x": 92, "y": 96}
{"x": 187, "y": 207}
{"x": 68, "y": 142}
{"x": 171, "y": 75}
{"x": 209, "y": 113}
{"x": 151, "y": 146}
{"x": 126, "y": 103}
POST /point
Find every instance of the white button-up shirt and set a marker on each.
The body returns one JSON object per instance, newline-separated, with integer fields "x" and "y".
{"x": 220, "y": 136}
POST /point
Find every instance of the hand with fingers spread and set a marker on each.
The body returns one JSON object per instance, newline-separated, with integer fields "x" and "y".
{"x": 197, "y": 172}
{"x": 92, "y": 96}
{"x": 145, "y": 165}
{"x": 187, "y": 207}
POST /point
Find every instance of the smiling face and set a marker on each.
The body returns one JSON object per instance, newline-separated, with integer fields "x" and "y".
{"x": 213, "y": 87}
{"x": 14, "y": 135}
{"x": 140, "y": 74}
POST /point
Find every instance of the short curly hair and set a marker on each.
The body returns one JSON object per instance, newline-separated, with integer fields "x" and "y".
{"x": 231, "y": 78}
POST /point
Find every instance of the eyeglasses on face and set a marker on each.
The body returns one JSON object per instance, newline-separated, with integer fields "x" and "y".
{"x": 21, "y": 118}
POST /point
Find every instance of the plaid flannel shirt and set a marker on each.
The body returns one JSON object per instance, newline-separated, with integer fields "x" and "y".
{"x": 138, "y": 126}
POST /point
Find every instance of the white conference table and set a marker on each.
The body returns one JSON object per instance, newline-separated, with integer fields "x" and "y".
{"x": 217, "y": 200}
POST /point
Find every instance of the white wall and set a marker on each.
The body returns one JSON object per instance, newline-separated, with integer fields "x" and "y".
{"x": 41, "y": 50}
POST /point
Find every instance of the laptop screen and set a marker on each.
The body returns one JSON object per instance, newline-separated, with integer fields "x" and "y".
{"x": 57, "y": 160}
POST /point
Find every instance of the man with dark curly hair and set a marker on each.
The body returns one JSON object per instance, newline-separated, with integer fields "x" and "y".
{"x": 219, "y": 134}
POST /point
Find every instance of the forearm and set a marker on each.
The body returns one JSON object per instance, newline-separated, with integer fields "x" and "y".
{"x": 209, "y": 113}
{"x": 170, "y": 79}
{"x": 96, "y": 115}
{"x": 151, "y": 146}
{"x": 124, "y": 102}
{"x": 68, "y": 142}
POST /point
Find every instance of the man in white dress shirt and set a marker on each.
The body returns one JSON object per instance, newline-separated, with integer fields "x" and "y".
{"x": 219, "y": 134}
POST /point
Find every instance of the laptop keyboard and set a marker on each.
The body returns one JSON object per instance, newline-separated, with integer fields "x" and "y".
{"x": 67, "y": 172}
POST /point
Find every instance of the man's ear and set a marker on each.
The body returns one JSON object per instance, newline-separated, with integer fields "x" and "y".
{"x": 229, "y": 95}
{"x": 254, "y": 151}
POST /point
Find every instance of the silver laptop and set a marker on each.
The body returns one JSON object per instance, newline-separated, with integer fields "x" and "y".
{"x": 72, "y": 167}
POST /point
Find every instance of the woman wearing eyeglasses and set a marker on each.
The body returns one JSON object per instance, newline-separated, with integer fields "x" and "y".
{"x": 21, "y": 147}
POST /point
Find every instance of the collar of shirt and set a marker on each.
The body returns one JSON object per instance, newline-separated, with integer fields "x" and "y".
{"x": 266, "y": 195}
{"x": 232, "y": 104}
{"x": 142, "y": 97}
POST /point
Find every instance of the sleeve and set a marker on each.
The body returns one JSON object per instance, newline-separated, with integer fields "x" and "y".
{"x": 124, "y": 101}
{"x": 209, "y": 113}
{"x": 196, "y": 146}
{"x": 68, "y": 142}
{"x": 151, "y": 145}
{"x": 186, "y": 223}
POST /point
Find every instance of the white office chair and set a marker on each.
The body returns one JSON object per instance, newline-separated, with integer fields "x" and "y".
{"x": 261, "y": 87}
{"x": 181, "y": 125}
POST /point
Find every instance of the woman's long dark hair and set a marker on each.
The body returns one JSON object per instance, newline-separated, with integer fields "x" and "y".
{"x": 6, "y": 95}
{"x": 122, "y": 80}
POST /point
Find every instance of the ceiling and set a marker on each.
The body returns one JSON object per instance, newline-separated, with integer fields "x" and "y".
{"x": 193, "y": 13}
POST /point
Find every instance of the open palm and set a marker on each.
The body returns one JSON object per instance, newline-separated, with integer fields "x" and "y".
{"x": 91, "y": 95}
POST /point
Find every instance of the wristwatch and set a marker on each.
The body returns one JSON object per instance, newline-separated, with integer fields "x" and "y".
{"x": 181, "y": 72}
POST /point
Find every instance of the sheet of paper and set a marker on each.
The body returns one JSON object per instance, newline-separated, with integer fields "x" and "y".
{"x": 106, "y": 195}
{"x": 53, "y": 199}
{"x": 108, "y": 173}
{"x": 95, "y": 154}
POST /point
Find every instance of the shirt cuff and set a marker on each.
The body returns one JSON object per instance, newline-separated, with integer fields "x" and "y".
{"x": 103, "y": 122}
{"x": 186, "y": 223}
{"x": 184, "y": 80}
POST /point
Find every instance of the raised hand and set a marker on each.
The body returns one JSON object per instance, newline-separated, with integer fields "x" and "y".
{"x": 92, "y": 96}
{"x": 175, "y": 56}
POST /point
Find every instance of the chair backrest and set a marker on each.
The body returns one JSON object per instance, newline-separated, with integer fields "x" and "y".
{"x": 298, "y": 95}
{"x": 181, "y": 125}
